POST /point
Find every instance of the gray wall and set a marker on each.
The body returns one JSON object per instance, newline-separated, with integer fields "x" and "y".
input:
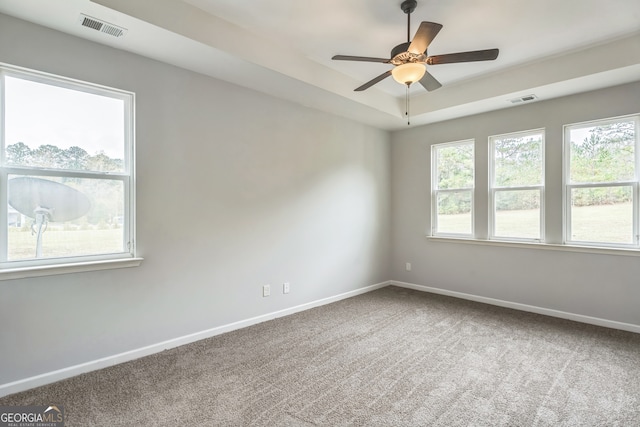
{"x": 235, "y": 189}
{"x": 597, "y": 285}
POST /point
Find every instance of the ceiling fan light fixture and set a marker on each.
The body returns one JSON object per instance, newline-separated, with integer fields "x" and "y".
{"x": 409, "y": 73}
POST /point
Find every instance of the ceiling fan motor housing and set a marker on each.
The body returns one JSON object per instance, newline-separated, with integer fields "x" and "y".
{"x": 401, "y": 48}
{"x": 401, "y": 55}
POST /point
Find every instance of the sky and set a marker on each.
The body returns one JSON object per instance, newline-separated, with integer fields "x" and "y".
{"x": 578, "y": 135}
{"x": 38, "y": 114}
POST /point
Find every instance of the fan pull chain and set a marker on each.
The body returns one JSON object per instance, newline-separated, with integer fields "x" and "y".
{"x": 406, "y": 106}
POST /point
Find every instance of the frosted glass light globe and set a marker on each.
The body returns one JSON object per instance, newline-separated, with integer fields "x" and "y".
{"x": 409, "y": 73}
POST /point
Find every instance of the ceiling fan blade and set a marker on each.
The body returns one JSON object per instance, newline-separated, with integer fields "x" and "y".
{"x": 424, "y": 36}
{"x": 370, "y": 83}
{"x": 476, "y": 55}
{"x": 359, "y": 58}
{"x": 429, "y": 82}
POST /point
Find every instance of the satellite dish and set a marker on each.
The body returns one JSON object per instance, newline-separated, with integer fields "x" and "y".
{"x": 63, "y": 202}
{"x": 46, "y": 201}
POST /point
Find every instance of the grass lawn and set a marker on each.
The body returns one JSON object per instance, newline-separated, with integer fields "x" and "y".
{"x": 602, "y": 223}
{"x": 61, "y": 243}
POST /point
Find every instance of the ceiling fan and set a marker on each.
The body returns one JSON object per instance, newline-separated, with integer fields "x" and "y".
{"x": 409, "y": 58}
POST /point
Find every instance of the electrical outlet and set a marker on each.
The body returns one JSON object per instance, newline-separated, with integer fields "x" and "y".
{"x": 285, "y": 288}
{"x": 408, "y": 266}
{"x": 266, "y": 290}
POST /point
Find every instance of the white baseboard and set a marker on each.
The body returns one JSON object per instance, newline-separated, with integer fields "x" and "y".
{"x": 523, "y": 307}
{"x": 71, "y": 371}
{"x": 60, "y": 374}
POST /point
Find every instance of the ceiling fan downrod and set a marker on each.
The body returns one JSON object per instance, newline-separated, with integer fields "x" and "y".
{"x": 407, "y": 7}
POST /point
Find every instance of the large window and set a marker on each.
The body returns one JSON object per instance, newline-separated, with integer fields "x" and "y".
{"x": 601, "y": 177}
{"x": 452, "y": 165}
{"x": 517, "y": 186}
{"x": 66, "y": 171}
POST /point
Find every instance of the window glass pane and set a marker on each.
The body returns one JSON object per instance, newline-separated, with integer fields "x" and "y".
{"x": 603, "y": 153}
{"x": 54, "y": 127}
{"x": 454, "y": 166}
{"x": 454, "y": 212}
{"x": 518, "y": 161}
{"x": 517, "y": 214}
{"x": 603, "y": 214}
{"x": 62, "y": 217}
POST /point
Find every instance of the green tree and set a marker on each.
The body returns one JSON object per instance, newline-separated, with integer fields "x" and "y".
{"x": 48, "y": 156}
{"x": 454, "y": 170}
{"x": 75, "y": 158}
{"x": 19, "y": 154}
{"x": 518, "y": 161}
{"x": 455, "y": 167}
{"x": 103, "y": 163}
{"x": 607, "y": 154}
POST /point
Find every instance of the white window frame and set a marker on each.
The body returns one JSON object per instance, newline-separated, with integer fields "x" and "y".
{"x": 59, "y": 265}
{"x": 493, "y": 189}
{"x": 568, "y": 185}
{"x": 435, "y": 191}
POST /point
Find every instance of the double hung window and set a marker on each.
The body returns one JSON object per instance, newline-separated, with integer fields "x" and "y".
{"x": 66, "y": 171}
{"x": 517, "y": 186}
{"x": 601, "y": 182}
{"x": 452, "y": 188}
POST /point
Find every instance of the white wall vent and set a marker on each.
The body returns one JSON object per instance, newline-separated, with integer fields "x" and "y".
{"x": 526, "y": 98}
{"x": 102, "y": 26}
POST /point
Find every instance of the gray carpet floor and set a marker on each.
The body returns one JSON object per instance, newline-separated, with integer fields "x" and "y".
{"x": 393, "y": 357}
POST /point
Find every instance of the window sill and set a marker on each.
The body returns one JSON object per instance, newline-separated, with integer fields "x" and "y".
{"x": 542, "y": 246}
{"x": 79, "y": 267}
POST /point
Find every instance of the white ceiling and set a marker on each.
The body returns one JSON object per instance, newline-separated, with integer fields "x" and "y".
{"x": 548, "y": 48}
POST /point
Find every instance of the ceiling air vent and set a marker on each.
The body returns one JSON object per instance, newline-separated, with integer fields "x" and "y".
{"x": 102, "y": 26}
{"x": 526, "y": 98}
